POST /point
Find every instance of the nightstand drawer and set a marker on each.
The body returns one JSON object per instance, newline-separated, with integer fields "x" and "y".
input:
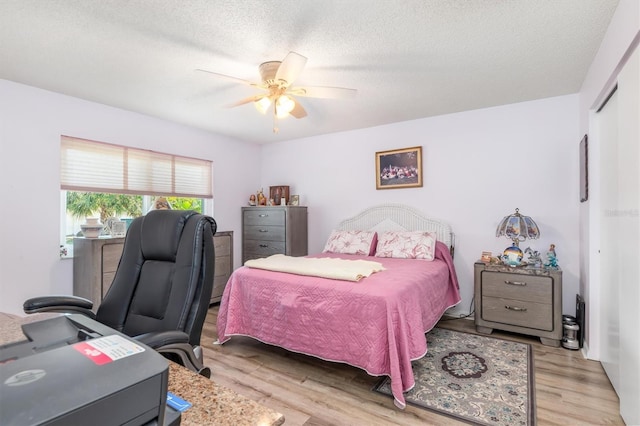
{"x": 264, "y": 217}
{"x": 264, "y": 233}
{"x": 518, "y": 312}
{"x": 523, "y": 287}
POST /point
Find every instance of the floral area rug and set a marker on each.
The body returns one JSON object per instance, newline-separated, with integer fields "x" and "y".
{"x": 477, "y": 379}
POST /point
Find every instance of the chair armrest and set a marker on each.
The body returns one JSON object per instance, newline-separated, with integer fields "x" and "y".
{"x": 65, "y": 304}
{"x": 156, "y": 340}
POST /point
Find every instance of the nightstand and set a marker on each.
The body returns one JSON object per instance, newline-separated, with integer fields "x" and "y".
{"x": 523, "y": 300}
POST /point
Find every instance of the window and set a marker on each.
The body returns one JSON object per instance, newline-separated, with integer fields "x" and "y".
{"x": 115, "y": 182}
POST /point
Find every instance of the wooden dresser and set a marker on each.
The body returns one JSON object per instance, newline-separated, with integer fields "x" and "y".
{"x": 223, "y": 243}
{"x": 274, "y": 230}
{"x": 523, "y": 300}
{"x": 95, "y": 261}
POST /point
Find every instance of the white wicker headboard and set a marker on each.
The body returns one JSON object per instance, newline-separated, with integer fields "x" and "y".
{"x": 398, "y": 217}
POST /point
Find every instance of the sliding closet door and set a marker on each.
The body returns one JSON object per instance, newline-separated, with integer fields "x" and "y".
{"x": 629, "y": 238}
{"x": 607, "y": 126}
{"x": 618, "y": 125}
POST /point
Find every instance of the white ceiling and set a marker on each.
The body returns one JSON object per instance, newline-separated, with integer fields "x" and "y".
{"x": 408, "y": 59}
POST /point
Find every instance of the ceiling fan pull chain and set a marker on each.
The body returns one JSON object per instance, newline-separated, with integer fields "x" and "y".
{"x": 275, "y": 120}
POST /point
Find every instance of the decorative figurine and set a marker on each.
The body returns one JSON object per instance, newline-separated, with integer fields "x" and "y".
{"x": 262, "y": 200}
{"x": 162, "y": 204}
{"x": 252, "y": 200}
{"x": 552, "y": 261}
{"x": 534, "y": 257}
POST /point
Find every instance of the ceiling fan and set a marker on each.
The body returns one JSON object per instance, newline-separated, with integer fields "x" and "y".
{"x": 277, "y": 90}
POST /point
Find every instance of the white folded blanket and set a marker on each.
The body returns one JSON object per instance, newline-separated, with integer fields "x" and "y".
{"x": 337, "y": 269}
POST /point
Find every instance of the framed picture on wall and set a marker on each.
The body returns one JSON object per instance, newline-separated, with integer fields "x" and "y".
{"x": 584, "y": 169}
{"x": 399, "y": 168}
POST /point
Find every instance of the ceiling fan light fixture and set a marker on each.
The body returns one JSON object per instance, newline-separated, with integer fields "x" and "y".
{"x": 281, "y": 113}
{"x": 285, "y": 104}
{"x": 263, "y": 104}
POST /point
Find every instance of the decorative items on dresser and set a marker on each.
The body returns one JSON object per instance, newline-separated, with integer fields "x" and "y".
{"x": 95, "y": 261}
{"x": 525, "y": 300}
{"x": 274, "y": 230}
{"x": 223, "y": 245}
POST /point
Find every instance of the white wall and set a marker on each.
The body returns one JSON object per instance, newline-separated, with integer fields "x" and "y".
{"x": 31, "y": 122}
{"x": 479, "y": 166}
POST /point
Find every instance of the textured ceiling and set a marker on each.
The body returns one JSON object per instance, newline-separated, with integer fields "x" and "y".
{"x": 408, "y": 59}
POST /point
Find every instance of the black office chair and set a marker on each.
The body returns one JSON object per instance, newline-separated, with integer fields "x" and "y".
{"x": 162, "y": 287}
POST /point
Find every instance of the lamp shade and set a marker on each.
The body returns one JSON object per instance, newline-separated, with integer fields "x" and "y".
{"x": 263, "y": 104}
{"x": 518, "y": 228}
{"x": 284, "y": 105}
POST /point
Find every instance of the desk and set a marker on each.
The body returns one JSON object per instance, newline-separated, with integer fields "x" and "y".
{"x": 212, "y": 404}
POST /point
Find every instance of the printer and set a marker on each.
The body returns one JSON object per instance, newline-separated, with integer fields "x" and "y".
{"x": 72, "y": 370}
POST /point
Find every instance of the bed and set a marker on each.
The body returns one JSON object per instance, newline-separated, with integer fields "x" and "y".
{"x": 376, "y": 323}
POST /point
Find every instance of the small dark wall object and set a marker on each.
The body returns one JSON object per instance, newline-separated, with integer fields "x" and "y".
{"x": 584, "y": 169}
{"x": 580, "y": 318}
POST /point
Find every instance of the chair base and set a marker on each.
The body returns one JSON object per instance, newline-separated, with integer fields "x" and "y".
{"x": 188, "y": 356}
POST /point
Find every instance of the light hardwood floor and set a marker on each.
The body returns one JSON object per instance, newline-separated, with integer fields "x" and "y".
{"x": 570, "y": 390}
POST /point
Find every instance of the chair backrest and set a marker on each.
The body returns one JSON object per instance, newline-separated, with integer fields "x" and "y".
{"x": 165, "y": 276}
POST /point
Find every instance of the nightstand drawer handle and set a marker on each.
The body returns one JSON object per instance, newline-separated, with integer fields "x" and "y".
{"x": 263, "y": 215}
{"x": 515, "y": 308}
{"x": 263, "y": 230}
{"x": 264, "y": 245}
{"x": 515, "y": 282}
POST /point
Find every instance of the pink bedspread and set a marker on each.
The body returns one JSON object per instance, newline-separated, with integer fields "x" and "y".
{"x": 377, "y": 324}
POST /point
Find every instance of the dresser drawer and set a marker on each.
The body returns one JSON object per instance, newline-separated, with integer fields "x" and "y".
{"x": 518, "y": 312}
{"x": 523, "y": 287}
{"x": 257, "y": 249}
{"x": 264, "y": 217}
{"x": 111, "y": 254}
{"x": 107, "y": 280}
{"x": 222, "y": 245}
{"x": 264, "y": 233}
{"x": 222, "y": 266}
{"x": 219, "y": 284}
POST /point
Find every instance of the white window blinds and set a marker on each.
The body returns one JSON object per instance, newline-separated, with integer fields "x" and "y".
{"x": 101, "y": 167}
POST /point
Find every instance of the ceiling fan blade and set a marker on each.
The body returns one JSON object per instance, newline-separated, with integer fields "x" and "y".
{"x": 233, "y": 79}
{"x": 290, "y": 68}
{"x": 323, "y": 92}
{"x": 298, "y": 111}
{"x": 246, "y": 100}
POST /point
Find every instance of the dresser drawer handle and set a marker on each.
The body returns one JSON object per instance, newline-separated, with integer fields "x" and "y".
{"x": 515, "y": 283}
{"x": 263, "y": 215}
{"x": 264, "y": 245}
{"x": 263, "y": 230}
{"x": 515, "y": 308}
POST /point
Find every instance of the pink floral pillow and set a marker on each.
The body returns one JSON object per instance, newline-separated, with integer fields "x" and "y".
{"x": 351, "y": 242}
{"x": 407, "y": 245}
